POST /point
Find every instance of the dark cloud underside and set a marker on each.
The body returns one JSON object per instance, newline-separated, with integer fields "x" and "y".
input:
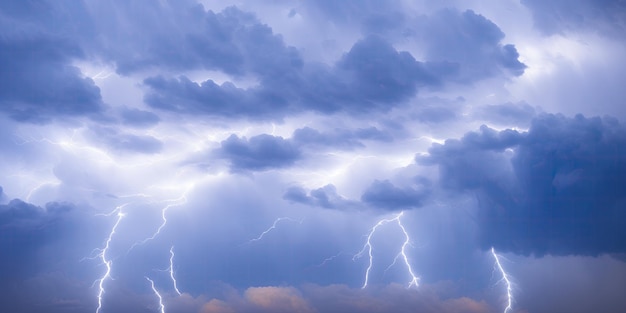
{"x": 559, "y": 190}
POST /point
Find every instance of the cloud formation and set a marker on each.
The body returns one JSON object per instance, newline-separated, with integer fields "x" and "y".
{"x": 553, "y": 190}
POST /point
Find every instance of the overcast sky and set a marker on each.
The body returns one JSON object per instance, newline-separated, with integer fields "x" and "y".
{"x": 312, "y": 156}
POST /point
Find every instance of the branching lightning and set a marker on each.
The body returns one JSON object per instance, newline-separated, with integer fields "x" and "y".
{"x": 368, "y": 247}
{"x": 175, "y": 202}
{"x": 156, "y": 292}
{"x": 171, "y": 270}
{"x": 274, "y": 227}
{"x": 505, "y": 278}
{"x": 103, "y": 257}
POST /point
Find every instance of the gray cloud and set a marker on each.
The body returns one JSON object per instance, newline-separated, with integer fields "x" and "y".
{"x": 469, "y": 44}
{"x": 258, "y": 153}
{"x": 39, "y": 82}
{"x": 557, "y": 191}
{"x": 384, "y": 195}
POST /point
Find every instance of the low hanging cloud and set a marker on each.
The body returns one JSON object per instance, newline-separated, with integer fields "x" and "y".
{"x": 557, "y": 189}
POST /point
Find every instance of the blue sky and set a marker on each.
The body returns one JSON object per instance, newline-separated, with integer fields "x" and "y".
{"x": 312, "y": 156}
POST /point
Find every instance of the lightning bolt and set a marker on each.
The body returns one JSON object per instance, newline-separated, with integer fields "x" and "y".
{"x": 368, "y": 247}
{"x": 505, "y": 278}
{"x": 156, "y": 292}
{"x": 171, "y": 270}
{"x": 176, "y": 202}
{"x": 103, "y": 257}
{"x": 274, "y": 227}
{"x": 328, "y": 259}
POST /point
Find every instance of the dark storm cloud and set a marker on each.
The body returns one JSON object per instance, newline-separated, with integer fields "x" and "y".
{"x": 603, "y": 16}
{"x": 262, "y": 152}
{"x": 461, "y": 46}
{"x": 183, "y": 35}
{"x": 559, "y": 189}
{"x": 467, "y": 46}
{"x": 38, "y": 81}
{"x": 38, "y": 42}
{"x": 372, "y": 76}
{"x": 24, "y": 230}
{"x": 381, "y": 73}
{"x": 185, "y": 96}
{"x": 386, "y": 196}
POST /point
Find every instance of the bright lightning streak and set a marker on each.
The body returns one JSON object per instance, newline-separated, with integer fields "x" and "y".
{"x": 177, "y": 202}
{"x": 505, "y": 278}
{"x": 156, "y": 292}
{"x": 104, "y": 259}
{"x": 171, "y": 269}
{"x": 274, "y": 227}
{"x": 368, "y": 247}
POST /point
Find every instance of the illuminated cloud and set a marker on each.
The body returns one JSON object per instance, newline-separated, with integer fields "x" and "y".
{"x": 207, "y": 121}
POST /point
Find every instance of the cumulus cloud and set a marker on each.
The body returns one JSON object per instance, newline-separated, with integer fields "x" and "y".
{"x": 556, "y": 189}
{"x": 470, "y": 45}
{"x": 372, "y": 76}
{"x": 260, "y": 152}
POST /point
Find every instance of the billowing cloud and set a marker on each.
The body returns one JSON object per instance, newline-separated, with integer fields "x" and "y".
{"x": 469, "y": 45}
{"x": 173, "y": 134}
{"x": 553, "y": 190}
{"x": 260, "y": 152}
